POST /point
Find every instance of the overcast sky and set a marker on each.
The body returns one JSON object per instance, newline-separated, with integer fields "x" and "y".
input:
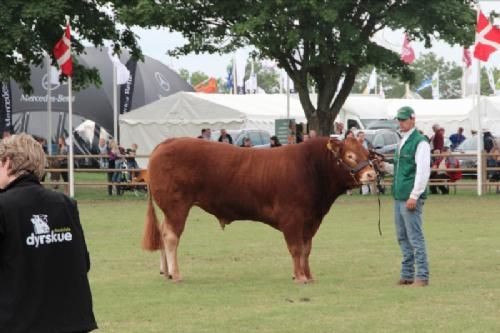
{"x": 156, "y": 42}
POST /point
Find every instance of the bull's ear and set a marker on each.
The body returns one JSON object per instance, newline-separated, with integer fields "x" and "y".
{"x": 333, "y": 146}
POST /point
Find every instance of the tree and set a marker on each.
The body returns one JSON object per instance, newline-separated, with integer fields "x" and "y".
{"x": 322, "y": 40}
{"x": 31, "y": 28}
{"x": 198, "y": 77}
{"x": 184, "y": 74}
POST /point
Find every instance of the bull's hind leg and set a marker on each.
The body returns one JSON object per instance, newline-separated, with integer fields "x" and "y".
{"x": 171, "y": 234}
{"x": 163, "y": 263}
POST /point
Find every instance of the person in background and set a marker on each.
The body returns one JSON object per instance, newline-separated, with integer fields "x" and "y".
{"x": 349, "y": 134}
{"x": 457, "y": 138}
{"x": 361, "y": 139}
{"x": 439, "y": 172}
{"x": 411, "y": 170}
{"x": 44, "y": 259}
{"x": 131, "y": 162}
{"x": 113, "y": 155}
{"x": 275, "y": 142}
{"x": 493, "y": 161}
{"x": 305, "y": 137}
{"x": 62, "y": 150}
{"x": 225, "y": 137}
{"x": 207, "y": 135}
{"x": 437, "y": 139}
{"x": 247, "y": 143}
{"x": 488, "y": 141}
{"x": 338, "y": 128}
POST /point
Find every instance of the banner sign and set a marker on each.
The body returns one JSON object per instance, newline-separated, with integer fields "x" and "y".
{"x": 127, "y": 89}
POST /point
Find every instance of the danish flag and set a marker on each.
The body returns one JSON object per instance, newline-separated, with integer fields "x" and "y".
{"x": 62, "y": 52}
{"x": 487, "y": 38}
{"x": 407, "y": 53}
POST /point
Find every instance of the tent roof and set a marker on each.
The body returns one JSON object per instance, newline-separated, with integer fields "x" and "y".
{"x": 182, "y": 107}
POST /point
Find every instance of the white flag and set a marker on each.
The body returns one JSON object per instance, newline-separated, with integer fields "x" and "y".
{"x": 241, "y": 61}
{"x": 372, "y": 81}
{"x": 54, "y": 75}
{"x": 491, "y": 79}
{"x": 435, "y": 85}
{"x": 122, "y": 72}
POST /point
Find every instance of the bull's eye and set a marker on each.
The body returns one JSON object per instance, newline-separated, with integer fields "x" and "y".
{"x": 351, "y": 156}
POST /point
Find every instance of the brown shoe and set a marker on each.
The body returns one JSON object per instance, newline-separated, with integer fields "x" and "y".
{"x": 404, "y": 282}
{"x": 420, "y": 283}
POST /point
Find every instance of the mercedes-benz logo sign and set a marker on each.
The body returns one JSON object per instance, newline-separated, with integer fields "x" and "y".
{"x": 45, "y": 83}
{"x": 162, "y": 81}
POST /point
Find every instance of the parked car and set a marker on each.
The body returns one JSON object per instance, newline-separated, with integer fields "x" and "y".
{"x": 391, "y": 124}
{"x": 469, "y": 148}
{"x": 383, "y": 141}
{"x": 259, "y": 138}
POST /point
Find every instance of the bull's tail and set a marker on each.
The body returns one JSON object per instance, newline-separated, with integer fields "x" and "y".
{"x": 151, "y": 240}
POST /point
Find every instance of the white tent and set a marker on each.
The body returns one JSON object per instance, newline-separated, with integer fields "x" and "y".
{"x": 448, "y": 113}
{"x": 185, "y": 114}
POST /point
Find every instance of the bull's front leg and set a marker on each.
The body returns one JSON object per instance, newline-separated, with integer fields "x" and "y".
{"x": 305, "y": 260}
{"x": 296, "y": 249}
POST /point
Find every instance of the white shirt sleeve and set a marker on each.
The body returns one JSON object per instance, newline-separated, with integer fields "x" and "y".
{"x": 423, "y": 161}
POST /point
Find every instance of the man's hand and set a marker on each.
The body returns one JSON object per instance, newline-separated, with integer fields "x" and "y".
{"x": 411, "y": 204}
{"x": 380, "y": 164}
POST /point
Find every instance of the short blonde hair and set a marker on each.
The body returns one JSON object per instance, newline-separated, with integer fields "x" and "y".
{"x": 26, "y": 155}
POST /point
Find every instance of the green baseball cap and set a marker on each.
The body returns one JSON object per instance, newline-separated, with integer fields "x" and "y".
{"x": 405, "y": 112}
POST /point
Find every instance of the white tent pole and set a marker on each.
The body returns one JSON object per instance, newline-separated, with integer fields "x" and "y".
{"x": 115, "y": 107}
{"x": 70, "y": 129}
{"x": 49, "y": 106}
{"x": 479, "y": 133}
{"x": 287, "y": 97}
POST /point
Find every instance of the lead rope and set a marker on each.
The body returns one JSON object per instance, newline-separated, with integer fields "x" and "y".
{"x": 378, "y": 186}
{"x": 379, "y": 178}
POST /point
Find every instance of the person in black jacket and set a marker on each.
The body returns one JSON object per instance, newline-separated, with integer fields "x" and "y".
{"x": 43, "y": 256}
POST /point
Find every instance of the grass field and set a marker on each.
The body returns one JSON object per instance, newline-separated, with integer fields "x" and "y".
{"x": 239, "y": 280}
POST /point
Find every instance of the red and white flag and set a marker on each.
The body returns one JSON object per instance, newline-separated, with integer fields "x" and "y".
{"x": 407, "y": 54}
{"x": 466, "y": 58}
{"x": 487, "y": 38}
{"x": 62, "y": 52}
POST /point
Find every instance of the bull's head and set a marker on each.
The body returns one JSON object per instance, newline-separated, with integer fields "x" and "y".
{"x": 352, "y": 156}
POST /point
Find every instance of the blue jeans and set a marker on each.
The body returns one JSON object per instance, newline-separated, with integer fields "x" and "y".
{"x": 411, "y": 240}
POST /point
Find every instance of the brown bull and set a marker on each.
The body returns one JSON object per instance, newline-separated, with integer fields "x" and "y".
{"x": 235, "y": 183}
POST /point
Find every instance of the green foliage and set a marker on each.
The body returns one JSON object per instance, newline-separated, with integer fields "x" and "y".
{"x": 31, "y": 28}
{"x": 198, "y": 77}
{"x": 184, "y": 73}
{"x": 311, "y": 39}
{"x": 239, "y": 279}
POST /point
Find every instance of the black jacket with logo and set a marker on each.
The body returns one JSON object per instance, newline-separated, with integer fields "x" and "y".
{"x": 43, "y": 262}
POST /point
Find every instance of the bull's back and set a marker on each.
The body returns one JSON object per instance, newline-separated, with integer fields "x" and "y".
{"x": 227, "y": 181}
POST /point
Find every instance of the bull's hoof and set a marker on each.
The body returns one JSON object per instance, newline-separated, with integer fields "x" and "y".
{"x": 176, "y": 279}
{"x": 301, "y": 280}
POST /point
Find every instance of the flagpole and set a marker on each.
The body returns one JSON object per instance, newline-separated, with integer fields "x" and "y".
{"x": 115, "y": 106}
{"x": 49, "y": 107}
{"x": 479, "y": 133}
{"x": 70, "y": 129}
{"x": 235, "y": 84}
{"x": 287, "y": 96}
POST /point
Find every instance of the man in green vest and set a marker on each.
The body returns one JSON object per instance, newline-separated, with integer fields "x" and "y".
{"x": 411, "y": 170}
